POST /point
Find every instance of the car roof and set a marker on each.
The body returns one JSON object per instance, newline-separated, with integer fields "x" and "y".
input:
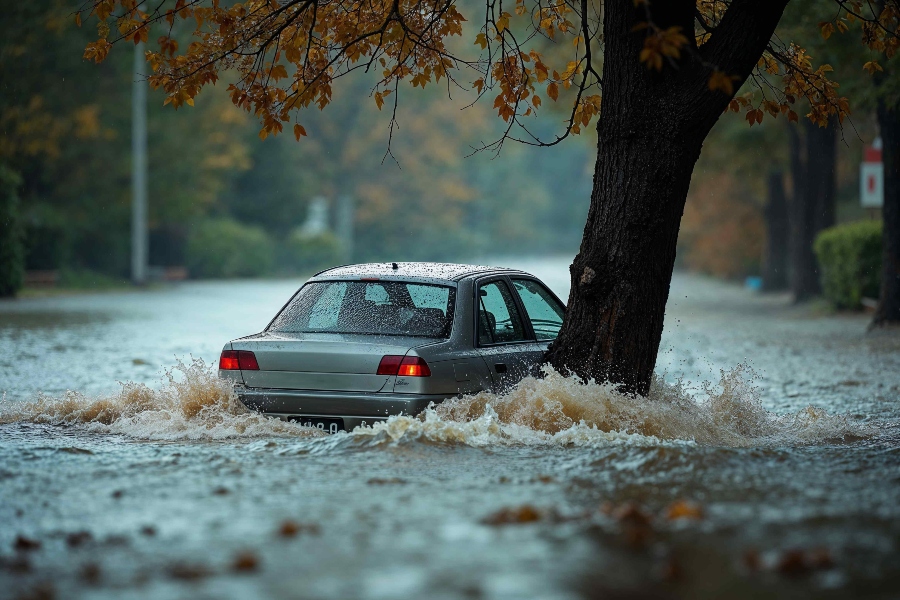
{"x": 409, "y": 270}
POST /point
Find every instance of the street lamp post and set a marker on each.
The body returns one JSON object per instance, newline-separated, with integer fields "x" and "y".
{"x": 139, "y": 242}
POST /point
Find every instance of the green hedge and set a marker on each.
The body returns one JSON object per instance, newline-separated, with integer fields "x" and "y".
{"x": 226, "y": 248}
{"x": 305, "y": 253}
{"x": 12, "y": 249}
{"x": 850, "y": 261}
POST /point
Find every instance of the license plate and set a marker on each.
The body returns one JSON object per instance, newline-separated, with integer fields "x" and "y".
{"x": 326, "y": 425}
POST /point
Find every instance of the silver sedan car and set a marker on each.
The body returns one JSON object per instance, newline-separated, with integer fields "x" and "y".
{"x": 357, "y": 344}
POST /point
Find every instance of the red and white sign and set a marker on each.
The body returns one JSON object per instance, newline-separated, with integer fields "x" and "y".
{"x": 871, "y": 177}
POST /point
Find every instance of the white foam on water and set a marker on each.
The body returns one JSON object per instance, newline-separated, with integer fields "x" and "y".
{"x": 560, "y": 410}
{"x": 192, "y": 403}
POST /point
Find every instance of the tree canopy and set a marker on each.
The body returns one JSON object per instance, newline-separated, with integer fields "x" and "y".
{"x": 281, "y": 56}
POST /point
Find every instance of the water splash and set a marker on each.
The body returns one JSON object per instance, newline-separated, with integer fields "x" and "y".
{"x": 193, "y": 403}
{"x": 562, "y": 410}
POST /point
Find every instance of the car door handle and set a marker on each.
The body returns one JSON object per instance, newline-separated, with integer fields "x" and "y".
{"x": 500, "y": 367}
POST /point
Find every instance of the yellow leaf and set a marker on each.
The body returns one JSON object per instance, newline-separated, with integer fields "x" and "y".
{"x": 827, "y": 29}
{"x": 872, "y": 66}
{"x": 536, "y": 100}
{"x": 379, "y": 101}
{"x": 78, "y": 19}
{"x": 480, "y": 40}
{"x": 553, "y": 91}
{"x": 263, "y": 134}
{"x": 298, "y": 131}
{"x": 503, "y": 22}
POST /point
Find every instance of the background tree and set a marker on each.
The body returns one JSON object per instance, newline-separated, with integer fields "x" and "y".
{"x": 775, "y": 263}
{"x": 669, "y": 70}
{"x": 888, "y": 311}
{"x": 12, "y": 251}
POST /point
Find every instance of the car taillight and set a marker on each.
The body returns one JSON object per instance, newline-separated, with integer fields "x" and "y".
{"x": 413, "y": 366}
{"x": 233, "y": 360}
{"x": 409, "y": 366}
{"x": 389, "y": 364}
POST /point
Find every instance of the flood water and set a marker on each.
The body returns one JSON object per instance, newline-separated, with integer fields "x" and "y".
{"x": 765, "y": 461}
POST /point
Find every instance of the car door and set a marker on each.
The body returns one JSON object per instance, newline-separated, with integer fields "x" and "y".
{"x": 502, "y": 336}
{"x": 543, "y": 310}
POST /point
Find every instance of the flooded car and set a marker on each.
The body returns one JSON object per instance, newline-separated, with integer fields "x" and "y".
{"x": 357, "y": 344}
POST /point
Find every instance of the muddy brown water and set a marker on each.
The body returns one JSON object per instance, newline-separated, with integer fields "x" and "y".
{"x": 765, "y": 461}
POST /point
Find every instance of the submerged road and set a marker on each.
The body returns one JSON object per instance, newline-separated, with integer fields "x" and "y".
{"x": 766, "y": 461}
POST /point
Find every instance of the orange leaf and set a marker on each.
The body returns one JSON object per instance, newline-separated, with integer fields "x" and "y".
{"x": 553, "y": 91}
{"x": 298, "y": 131}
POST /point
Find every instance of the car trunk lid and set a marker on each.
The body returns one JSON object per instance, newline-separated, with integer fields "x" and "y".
{"x": 322, "y": 361}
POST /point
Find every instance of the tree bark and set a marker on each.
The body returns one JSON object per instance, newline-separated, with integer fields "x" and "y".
{"x": 651, "y": 130}
{"x": 888, "y": 311}
{"x": 775, "y": 263}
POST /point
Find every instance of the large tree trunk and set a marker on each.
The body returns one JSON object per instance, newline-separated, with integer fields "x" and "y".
{"x": 651, "y": 129}
{"x": 775, "y": 263}
{"x": 888, "y": 312}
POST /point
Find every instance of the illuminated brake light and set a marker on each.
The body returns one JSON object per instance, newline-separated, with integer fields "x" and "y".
{"x": 410, "y": 366}
{"x": 235, "y": 360}
{"x": 413, "y": 366}
{"x": 229, "y": 361}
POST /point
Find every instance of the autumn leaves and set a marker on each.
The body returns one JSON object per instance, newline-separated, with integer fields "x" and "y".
{"x": 285, "y": 55}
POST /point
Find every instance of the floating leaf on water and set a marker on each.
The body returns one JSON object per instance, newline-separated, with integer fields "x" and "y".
{"x": 78, "y": 538}
{"x": 386, "y": 481}
{"x": 26, "y": 544}
{"x": 245, "y": 562}
{"x": 512, "y": 516}
{"x": 684, "y": 509}
{"x": 290, "y": 528}
{"x": 188, "y": 571}
{"x": 90, "y": 573}
{"x": 73, "y": 450}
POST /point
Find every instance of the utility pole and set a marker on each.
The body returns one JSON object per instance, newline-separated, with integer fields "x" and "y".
{"x": 139, "y": 242}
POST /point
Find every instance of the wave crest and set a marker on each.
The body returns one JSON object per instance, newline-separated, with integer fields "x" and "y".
{"x": 193, "y": 403}
{"x": 556, "y": 409}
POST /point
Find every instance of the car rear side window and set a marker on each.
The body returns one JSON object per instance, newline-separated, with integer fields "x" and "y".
{"x": 369, "y": 307}
{"x": 545, "y": 313}
{"x": 498, "y": 319}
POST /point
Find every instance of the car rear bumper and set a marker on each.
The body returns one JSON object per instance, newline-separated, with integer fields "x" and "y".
{"x": 354, "y": 407}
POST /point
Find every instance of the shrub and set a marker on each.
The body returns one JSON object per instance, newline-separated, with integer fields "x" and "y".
{"x": 12, "y": 249}
{"x": 227, "y": 248}
{"x": 303, "y": 252}
{"x": 850, "y": 262}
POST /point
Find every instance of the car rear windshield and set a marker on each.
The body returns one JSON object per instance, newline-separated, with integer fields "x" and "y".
{"x": 369, "y": 307}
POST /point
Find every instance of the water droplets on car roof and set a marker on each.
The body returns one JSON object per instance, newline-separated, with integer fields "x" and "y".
{"x": 446, "y": 271}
